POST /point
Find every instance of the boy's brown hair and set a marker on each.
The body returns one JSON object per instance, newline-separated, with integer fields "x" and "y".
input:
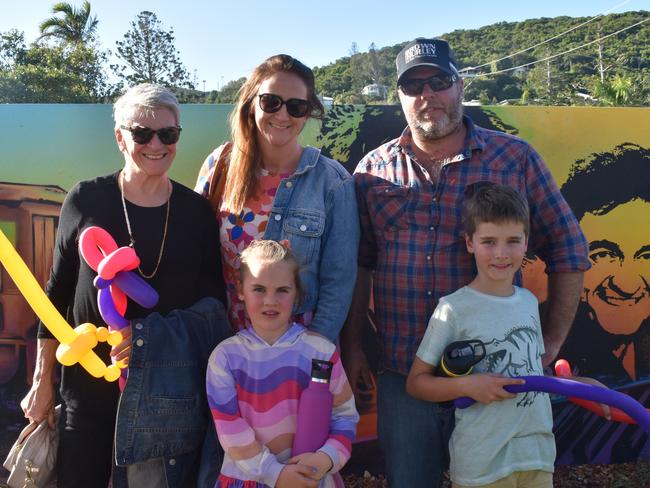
{"x": 488, "y": 202}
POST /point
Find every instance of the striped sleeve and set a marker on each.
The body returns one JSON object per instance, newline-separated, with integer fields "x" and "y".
{"x": 344, "y": 421}
{"x": 202, "y": 185}
{"x": 236, "y": 436}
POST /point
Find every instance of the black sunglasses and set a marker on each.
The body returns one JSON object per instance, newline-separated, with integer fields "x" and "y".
{"x": 296, "y": 107}
{"x": 143, "y": 135}
{"x": 439, "y": 82}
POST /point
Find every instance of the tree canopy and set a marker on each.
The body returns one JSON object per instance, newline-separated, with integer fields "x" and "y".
{"x": 148, "y": 55}
{"x": 43, "y": 74}
{"x": 601, "y": 62}
{"x": 594, "y": 71}
{"x": 76, "y": 26}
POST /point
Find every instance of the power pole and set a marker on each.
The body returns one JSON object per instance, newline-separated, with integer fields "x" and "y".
{"x": 548, "y": 76}
{"x": 601, "y": 68}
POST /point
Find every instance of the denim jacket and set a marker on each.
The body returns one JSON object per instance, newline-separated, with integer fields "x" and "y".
{"x": 316, "y": 210}
{"x": 163, "y": 411}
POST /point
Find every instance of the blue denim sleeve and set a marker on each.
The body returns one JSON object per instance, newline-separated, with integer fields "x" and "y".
{"x": 338, "y": 264}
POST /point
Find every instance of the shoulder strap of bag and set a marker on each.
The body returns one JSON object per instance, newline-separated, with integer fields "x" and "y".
{"x": 220, "y": 175}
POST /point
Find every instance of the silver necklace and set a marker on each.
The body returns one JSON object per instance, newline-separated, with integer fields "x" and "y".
{"x": 120, "y": 184}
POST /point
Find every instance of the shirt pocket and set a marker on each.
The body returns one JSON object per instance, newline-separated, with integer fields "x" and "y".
{"x": 388, "y": 205}
{"x": 304, "y": 229}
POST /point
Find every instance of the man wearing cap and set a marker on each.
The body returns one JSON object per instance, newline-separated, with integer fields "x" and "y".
{"x": 412, "y": 251}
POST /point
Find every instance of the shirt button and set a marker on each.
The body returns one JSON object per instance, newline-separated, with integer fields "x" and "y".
{"x": 139, "y": 342}
{"x": 288, "y": 184}
{"x": 431, "y": 227}
{"x": 278, "y": 217}
{"x": 138, "y": 326}
{"x": 303, "y": 227}
{"x": 429, "y": 257}
{"x": 429, "y": 293}
{"x": 434, "y": 199}
{"x": 172, "y": 462}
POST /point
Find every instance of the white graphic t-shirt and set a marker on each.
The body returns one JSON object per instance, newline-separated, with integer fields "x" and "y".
{"x": 492, "y": 441}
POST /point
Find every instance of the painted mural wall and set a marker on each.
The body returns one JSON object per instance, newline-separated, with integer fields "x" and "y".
{"x": 600, "y": 157}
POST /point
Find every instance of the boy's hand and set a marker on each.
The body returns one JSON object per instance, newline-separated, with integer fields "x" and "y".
{"x": 488, "y": 387}
{"x": 320, "y": 461}
{"x": 296, "y": 476}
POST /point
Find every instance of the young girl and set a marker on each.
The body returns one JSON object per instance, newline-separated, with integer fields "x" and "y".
{"x": 254, "y": 382}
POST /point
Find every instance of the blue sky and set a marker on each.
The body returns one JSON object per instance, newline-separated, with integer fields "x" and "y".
{"x": 223, "y": 41}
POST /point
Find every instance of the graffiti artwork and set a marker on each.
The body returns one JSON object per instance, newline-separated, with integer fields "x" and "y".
{"x": 599, "y": 157}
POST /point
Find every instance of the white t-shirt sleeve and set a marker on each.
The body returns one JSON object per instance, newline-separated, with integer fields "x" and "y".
{"x": 439, "y": 334}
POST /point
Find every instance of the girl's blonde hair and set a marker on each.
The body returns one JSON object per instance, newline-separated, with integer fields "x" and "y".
{"x": 271, "y": 252}
{"x": 245, "y": 158}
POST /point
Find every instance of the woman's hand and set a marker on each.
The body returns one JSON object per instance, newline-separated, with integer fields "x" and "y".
{"x": 38, "y": 404}
{"x": 122, "y": 352}
{"x": 319, "y": 461}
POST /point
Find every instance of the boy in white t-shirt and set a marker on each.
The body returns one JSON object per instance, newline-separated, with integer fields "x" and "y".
{"x": 504, "y": 440}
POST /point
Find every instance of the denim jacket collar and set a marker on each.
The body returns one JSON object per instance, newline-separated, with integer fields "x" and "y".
{"x": 308, "y": 159}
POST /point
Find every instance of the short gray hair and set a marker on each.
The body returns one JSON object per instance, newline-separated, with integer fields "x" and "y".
{"x": 143, "y": 100}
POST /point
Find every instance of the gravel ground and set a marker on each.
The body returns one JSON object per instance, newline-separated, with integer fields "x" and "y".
{"x": 629, "y": 475}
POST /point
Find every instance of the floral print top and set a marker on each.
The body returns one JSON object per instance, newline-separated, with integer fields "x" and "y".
{"x": 237, "y": 232}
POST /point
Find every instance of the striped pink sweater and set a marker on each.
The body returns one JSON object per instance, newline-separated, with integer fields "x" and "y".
{"x": 253, "y": 391}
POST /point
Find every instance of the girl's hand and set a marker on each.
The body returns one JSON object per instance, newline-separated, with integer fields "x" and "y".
{"x": 319, "y": 461}
{"x": 487, "y": 388}
{"x": 296, "y": 476}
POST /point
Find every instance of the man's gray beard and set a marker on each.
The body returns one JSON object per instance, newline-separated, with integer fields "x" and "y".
{"x": 437, "y": 130}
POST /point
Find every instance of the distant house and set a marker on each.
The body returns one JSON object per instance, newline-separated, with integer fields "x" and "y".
{"x": 520, "y": 70}
{"x": 29, "y": 216}
{"x": 379, "y": 92}
{"x": 468, "y": 73}
{"x": 326, "y": 101}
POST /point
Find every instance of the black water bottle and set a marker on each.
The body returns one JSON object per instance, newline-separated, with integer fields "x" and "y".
{"x": 459, "y": 358}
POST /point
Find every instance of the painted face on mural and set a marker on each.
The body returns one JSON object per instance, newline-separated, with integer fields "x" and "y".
{"x": 433, "y": 115}
{"x": 617, "y": 287}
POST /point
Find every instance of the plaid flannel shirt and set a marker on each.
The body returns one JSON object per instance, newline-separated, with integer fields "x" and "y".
{"x": 412, "y": 235}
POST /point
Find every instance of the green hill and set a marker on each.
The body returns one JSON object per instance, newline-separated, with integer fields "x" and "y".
{"x": 614, "y": 70}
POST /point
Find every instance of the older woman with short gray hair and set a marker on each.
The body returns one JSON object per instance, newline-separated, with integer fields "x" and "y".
{"x": 173, "y": 233}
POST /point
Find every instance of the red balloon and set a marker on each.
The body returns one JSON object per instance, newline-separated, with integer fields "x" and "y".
{"x": 122, "y": 259}
{"x": 563, "y": 369}
{"x": 94, "y": 244}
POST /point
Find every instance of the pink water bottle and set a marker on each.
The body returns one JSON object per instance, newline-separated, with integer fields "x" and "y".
{"x": 314, "y": 410}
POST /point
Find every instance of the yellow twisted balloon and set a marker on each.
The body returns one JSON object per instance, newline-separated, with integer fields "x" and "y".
{"x": 76, "y": 344}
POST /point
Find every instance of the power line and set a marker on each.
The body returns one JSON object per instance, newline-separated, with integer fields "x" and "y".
{"x": 564, "y": 52}
{"x": 545, "y": 41}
